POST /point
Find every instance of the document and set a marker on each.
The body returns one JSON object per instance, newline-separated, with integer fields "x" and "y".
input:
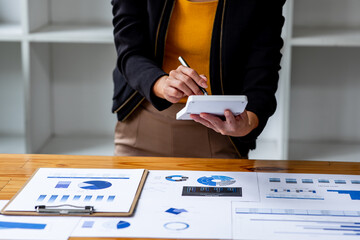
{"x": 214, "y": 104}
{"x": 300, "y": 206}
{"x": 36, "y": 228}
{"x": 207, "y": 204}
{"x": 294, "y": 220}
{"x": 180, "y": 204}
{"x": 107, "y": 190}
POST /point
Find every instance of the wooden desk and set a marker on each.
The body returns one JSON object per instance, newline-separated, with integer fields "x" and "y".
{"x": 16, "y": 169}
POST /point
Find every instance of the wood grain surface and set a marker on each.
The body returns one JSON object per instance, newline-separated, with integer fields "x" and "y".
{"x": 15, "y": 169}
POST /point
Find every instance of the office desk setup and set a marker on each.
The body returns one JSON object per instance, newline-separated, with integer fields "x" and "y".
{"x": 180, "y": 192}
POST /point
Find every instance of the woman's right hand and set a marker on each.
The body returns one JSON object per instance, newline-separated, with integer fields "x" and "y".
{"x": 180, "y": 83}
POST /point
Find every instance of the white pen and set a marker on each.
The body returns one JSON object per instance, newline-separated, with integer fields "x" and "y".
{"x": 183, "y": 62}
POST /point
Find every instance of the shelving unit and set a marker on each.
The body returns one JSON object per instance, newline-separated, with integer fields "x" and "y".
{"x": 323, "y": 113}
{"x": 57, "y": 60}
{"x": 10, "y": 21}
{"x": 57, "y": 74}
{"x": 12, "y": 129}
{"x": 79, "y": 21}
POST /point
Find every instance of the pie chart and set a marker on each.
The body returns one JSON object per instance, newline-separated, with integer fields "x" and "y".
{"x": 122, "y": 224}
{"x": 94, "y": 185}
{"x": 216, "y": 180}
{"x": 176, "y": 178}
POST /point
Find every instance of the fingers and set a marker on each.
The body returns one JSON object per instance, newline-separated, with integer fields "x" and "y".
{"x": 184, "y": 83}
{"x": 193, "y": 75}
{"x": 202, "y": 121}
{"x": 181, "y": 82}
{"x": 191, "y": 79}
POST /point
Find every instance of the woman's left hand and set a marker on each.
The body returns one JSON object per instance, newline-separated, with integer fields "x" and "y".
{"x": 235, "y": 126}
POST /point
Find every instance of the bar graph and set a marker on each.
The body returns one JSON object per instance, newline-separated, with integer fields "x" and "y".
{"x": 291, "y": 224}
{"x": 294, "y": 193}
{"x": 304, "y": 212}
{"x": 310, "y": 181}
{"x": 43, "y": 198}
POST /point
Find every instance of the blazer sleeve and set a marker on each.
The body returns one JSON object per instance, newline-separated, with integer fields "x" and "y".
{"x": 263, "y": 65}
{"x": 133, "y": 46}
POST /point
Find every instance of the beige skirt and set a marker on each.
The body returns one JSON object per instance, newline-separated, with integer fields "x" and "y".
{"x": 149, "y": 132}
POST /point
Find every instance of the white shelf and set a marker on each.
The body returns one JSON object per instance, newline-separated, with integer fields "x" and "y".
{"x": 325, "y": 151}
{"x": 326, "y": 36}
{"x": 77, "y": 33}
{"x": 10, "y": 32}
{"x": 12, "y": 144}
{"x": 76, "y": 145}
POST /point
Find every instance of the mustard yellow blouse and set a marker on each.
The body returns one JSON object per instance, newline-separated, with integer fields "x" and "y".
{"x": 189, "y": 35}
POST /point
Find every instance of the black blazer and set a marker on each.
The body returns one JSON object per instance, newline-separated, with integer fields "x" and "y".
{"x": 244, "y": 59}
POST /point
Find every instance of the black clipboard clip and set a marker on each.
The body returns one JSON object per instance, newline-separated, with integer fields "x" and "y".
{"x": 65, "y": 209}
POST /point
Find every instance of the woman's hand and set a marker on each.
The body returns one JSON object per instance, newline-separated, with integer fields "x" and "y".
{"x": 180, "y": 83}
{"x": 235, "y": 126}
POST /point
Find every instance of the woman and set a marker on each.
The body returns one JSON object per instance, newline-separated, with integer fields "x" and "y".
{"x": 233, "y": 48}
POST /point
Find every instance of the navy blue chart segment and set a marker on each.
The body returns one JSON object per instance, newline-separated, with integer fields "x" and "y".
{"x": 94, "y": 185}
{"x": 122, "y": 224}
{"x": 21, "y": 225}
{"x": 176, "y": 178}
{"x": 216, "y": 180}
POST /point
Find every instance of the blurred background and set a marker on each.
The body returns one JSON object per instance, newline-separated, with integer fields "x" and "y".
{"x": 57, "y": 57}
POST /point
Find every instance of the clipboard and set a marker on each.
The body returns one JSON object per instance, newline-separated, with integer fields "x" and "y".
{"x": 90, "y": 209}
{"x": 214, "y": 104}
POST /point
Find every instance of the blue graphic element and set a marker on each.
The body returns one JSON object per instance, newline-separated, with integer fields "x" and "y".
{"x": 274, "y": 179}
{"x": 122, "y": 224}
{"x": 64, "y": 198}
{"x": 216, "y": 180}
{"x": 53, "y": 198}
{"x": 111, "y": 198}
{"x": 307, "y": 181}
{"x": 95, "y": 185}
{"x": 176, "y": 178}
{"x": 354, "y": 195}
{"x": 99, "y": 198}
{"x": 41, "y": 198}
{"x": 175, "y": 211}
{"x": 340, "y": 181}
{"x": 323, "y": 181}
{"x": 87, "y": 198}
{"x": 355, "y": 181}
{"x": 63, "y": 184}
{"x": 88, "y": 224}
{"x": 176, "y": 226}
{"x": 21, "y": 225}
{"x": 77, "y": 197}
{"x": 291, "y": 180}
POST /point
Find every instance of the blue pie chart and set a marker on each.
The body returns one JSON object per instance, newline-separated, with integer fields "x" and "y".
{"x": 122, "y": 224}
{"x": 216, "y": 180}
{"x": 94, "y": 185}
